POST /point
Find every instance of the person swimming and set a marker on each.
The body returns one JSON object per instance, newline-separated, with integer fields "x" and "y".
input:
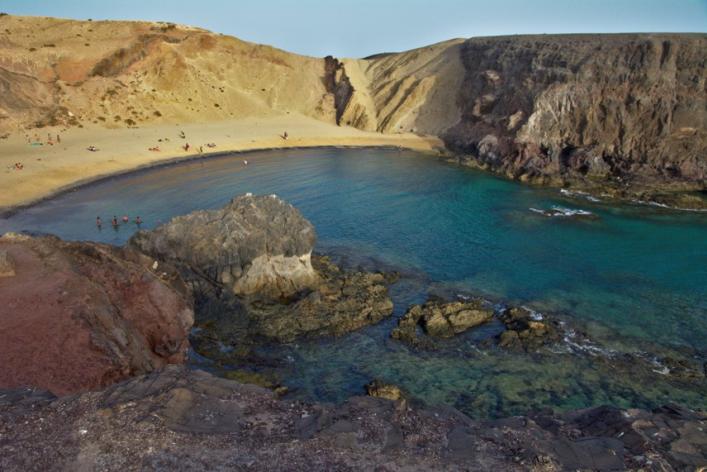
{"x": 99, "y": 223}
{"x": 114, "y": 221}
{"x": 126, "y": 219}
{"x": 138, "y": 220}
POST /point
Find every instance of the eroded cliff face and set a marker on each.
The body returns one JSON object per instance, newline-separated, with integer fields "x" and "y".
{"x": 626, "y": 111}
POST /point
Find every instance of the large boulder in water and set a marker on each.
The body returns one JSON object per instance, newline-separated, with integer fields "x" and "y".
{"x": 255, "y": 244}
{"x": 78, "y": 316}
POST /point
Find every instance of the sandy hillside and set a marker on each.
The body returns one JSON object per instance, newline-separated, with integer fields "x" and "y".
{"x": 413, "y": 91}
{"x": 121, "y": 74}
{"x": 126, "y": 87}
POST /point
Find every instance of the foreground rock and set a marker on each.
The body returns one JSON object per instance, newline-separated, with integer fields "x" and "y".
{"x": 254, "y": 245}
{"x": 442, "y": 320}
{"x": 179, "y": 419}
{"x": 78, "y": 316}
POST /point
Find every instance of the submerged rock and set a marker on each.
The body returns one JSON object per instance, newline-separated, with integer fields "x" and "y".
{"x": 441, "y": 320}
{"x": 379, "y": 389}
{"x": 79, "y": 316}
{"x": 254, "y": 245}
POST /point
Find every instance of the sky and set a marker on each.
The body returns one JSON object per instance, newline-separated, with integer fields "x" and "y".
{"x": 357, "y": 28}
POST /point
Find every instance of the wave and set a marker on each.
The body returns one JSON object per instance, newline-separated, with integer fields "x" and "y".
{"x": 561, "y": 212}
{"x": 579, "y": 193}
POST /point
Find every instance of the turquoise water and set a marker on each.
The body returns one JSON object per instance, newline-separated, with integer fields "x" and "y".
{"x": 634, "y": 276}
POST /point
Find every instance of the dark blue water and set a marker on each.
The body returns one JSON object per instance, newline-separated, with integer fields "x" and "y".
{"x": 633, "y": 274}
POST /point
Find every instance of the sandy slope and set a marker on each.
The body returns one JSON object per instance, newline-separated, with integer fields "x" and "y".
{"x": 413, "y": 91}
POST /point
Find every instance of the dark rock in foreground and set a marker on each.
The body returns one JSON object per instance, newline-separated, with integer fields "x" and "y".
{"x": 179, "y": 419}
{"x": 76, "y": 315}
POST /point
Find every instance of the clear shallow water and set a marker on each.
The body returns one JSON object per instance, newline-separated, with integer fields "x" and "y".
{"x": 635, "y": 275}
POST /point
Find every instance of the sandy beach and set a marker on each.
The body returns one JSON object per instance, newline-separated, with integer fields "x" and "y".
{"x": 49, "y": 169}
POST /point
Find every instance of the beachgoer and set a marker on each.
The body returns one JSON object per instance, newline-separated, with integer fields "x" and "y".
{"x": 186, "y": 147}
{"x": 114, "y": 221}
{"x": 201, "y": 149}
{"x": 284, "y": 136}
{"x": 245, "y": 163}
{"x": 138, "y": 221}
{"x": 126, "y": 219}
{"x": 58, "y": 139}
{"x": 99, "y": 223}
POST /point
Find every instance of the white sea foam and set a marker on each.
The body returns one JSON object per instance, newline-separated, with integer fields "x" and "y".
{"x": 561, "y": 212}
{"x": 579, "y": 193}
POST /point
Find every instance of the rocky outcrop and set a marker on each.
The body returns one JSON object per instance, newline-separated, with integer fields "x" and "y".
{"x": 79, "y": 316}
{"x": 527, "y": 330}
{"x": 338, "y": 84}
{"x": 254, "y": 278}
{"x": 343, "y": 301}
{"x": 623, "y": 113}
{"x": 254, "y": 245}
{"x": 180, "y": 419}
{"x": 441, "y": 320}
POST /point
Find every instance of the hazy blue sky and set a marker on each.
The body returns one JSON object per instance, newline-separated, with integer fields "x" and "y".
{"x": 361, "y": 27}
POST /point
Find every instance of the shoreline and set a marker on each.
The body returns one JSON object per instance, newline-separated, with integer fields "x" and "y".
{"x": 8, "y": 211}
{"x": 51, "y": 171}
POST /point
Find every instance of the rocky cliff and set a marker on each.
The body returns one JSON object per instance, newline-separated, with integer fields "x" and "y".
{"x": 627, "y": 110}
{"x": 80, "y": 316}
{"x": 621, "y": 113}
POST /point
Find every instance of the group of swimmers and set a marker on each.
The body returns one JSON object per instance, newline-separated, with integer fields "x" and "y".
{"x": 115, "y": 223}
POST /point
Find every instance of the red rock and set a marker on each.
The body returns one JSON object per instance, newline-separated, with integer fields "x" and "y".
{"x": 78, "y": 316}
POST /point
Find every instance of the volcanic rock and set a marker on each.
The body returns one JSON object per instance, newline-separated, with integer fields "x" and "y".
{"x": 255, "y": 244}
{"x": 182, "y": 419}
{"x": 441, "y": 320}
{"x": 79, "y": 316}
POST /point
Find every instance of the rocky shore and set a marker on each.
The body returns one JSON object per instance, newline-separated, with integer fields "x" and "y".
{"x": 104, "y": 324}
{"x": 180, "y": 419}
